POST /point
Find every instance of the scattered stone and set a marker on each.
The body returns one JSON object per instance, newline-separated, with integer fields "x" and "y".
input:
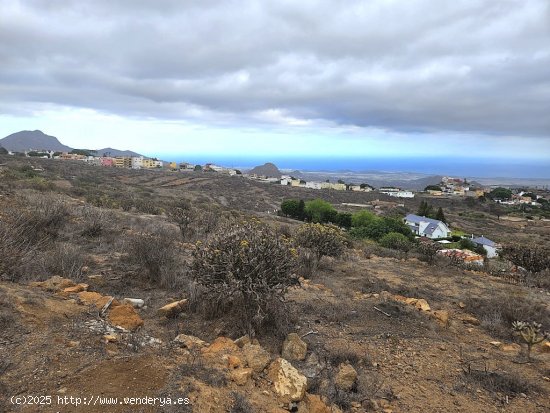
{"x": 241, "y": 341}
{"x": 190, "y": 342}
{"x": 256, "y": 357}
{"x": 125, "y": 316}
{"x": 422, "y": 305}
{"x": 134, "y": 302}
{"x": 73, "y": 343}
{"x": 172, "y": 309}
{"x": 470, "y": 319}
{"x": 294, "y": 348}
{"x": 288, "y": 383}
{"x": 345, "y": 377}
{"x": 442, "y": 316}
{"x": 93, "y": 298}
{"x": 241, "y": 376}
{"x": 76, "y": 289}
{"x": 55, "y": 283}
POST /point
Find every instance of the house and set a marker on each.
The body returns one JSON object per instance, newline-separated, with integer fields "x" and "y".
{"x": 137, "y": 162}
{"x": 107, "y": 161}
{"x": 427, "y": 227}
{"x": 490, "y": 246}
{"x": 313, "y": 185}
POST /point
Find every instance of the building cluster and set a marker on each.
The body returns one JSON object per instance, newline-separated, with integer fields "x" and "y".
{"x": 288, "y": 180}
{"x": 456, "y": 186}
{"x": 521, "y": 198}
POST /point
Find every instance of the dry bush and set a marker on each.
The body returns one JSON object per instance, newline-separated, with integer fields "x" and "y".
{"x": 64, "y": 259}
{"x": 245, "y": 267}
{"x": 240, "y": 404}
{"x": 157, "y": 255}
{"x": 510, "y": 384}
{"x": 95, "y": 222}
{"x": 7, "y": 315}
{"x": 533, "y": 258}
{"x": 148, "y": 206}
{"x": 427, "y": 251}
{"x": 45, "y": 214}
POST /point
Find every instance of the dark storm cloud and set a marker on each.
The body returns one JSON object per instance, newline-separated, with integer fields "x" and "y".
{"x": 462, "y": 66}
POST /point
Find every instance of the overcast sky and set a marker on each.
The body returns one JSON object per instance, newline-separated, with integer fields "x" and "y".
{"x": 361, "y": 78}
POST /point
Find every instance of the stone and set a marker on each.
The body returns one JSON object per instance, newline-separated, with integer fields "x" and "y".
{"x": 422, "y": 305}
{"x": 470, "y": 319}
{"x": 294, "y": 348}
{"x": 288, "y": 383}
{"x": 55, "y": 283}
{"x": 240, "y": 376}
{"x": 313, "y": 366}
{"x": 221, "y": 345}
{"x": 241, "y": 341}
{"x": 172, "y": 309}
{"x": 495, "y": 343}
{"x": 510, "y": 348}
{"x": 462, "y": 305}
{"x": 76, "y": 289}
{"x": 545, "y": 347}
{"x": 190, "y": 342}
{"x": 110, "y": 338}
{"x": 313, "y": 403}
{"x": 442, "y": 316}
{"x": 256, "y": 357}
{"x": 96, "y": 299}
{"x": 234, "y": 362}
{"x": 125, "y": 316}
{"x": 134, "y": 302}
{"x": 411, "y": 301}
{"x": 345, "y": 377}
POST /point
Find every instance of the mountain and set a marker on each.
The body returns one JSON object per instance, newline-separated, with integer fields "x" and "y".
{"x": 267, "y": 169}
{"x": 115, "y": 152}
{"x": 25, "y": 140}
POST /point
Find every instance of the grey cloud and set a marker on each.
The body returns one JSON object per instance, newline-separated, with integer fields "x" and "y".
{"x": 463, "y": 66}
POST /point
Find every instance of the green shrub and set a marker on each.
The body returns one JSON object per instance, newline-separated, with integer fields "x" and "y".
{"x": 396, "y": 241}
{"x": 363, "y": 218}
{"x": 319, "y": 211}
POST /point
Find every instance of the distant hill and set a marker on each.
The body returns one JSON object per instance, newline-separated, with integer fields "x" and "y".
{"x": 25, "y": 140}
{"x": 115, "y": 152}
{"x": 267, "y": 169}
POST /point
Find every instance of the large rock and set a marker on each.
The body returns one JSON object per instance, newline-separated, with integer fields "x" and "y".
{"x": 76, "y": 289}
{"x": 240, "y": 375}
{"x": 442, "y": 316}
{"x": 172, "y": 309}
{"x": 189, "y": 342}
{"x": 221, "y": 345}
{"x": 55, "y": 283}
{"x": 345, "y": 377}
{"x": 422, "y": 305}
{"x": 256, "y": 357}
{"x": 313, "y": 403}
{"x": 96, "y": 299}
{"x": 126, "y": 317}
{"x": 134, "y": 302}
{"x": 288, "y": 383}
{"x": 294, "y": 348}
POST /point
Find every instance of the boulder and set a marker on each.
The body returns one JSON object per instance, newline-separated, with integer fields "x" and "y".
{"x": 76, "y": 289}
{"x": 345, "y": 377}
{"x": 240, "y": 375}
{"x": 422, "y": 305}
{"x": 294, "y": 348}
{"x": 189, "y": 342}
{"x": 256, "y": 357}
{"x": 288, "y": 383}
{"x": 442, "y": 316}
{"x": 55, "y": 283}
{"x": 93, "y": 298}
{"x": 134, "y": 302}
{"x": 172, "y": 309}
{"x": 125, "y": 316}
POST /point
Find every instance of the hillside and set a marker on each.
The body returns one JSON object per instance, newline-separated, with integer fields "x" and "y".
{"x": 116, "y": 152}
{"x": 25, "y": 140}
{"x": 267, "y": 169}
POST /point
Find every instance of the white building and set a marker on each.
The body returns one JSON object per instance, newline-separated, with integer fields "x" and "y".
{"x": 313, "y": 185}
{"x": 427, "y": 227}
{"x": 137, "y": 162}
{"x": 490, "y": 246}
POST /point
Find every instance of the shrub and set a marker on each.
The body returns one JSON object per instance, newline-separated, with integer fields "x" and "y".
{"x": 182, "y": 215}
{"x": 321, "y": 239}
{"x": 396, "y": 241}
{"x": 244, "y": 267}
{"x": 293, "y": 208}
{"x": 427, "y": 251}
{"x": 148, "y": 206}
{"x": 94, "y": 222}
{"x": 530, "y": 333}
{"x": 64, "y": 259}
{"x": 344, "y": 220}
{"x": 319, "y": 211}
{"x": 46, "y": 215}
{"x": 363, "y": 218}
{"x": 531, "y": 257}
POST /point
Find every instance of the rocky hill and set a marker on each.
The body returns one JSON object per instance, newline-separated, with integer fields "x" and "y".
{"x": 267, "y": 169}
{"x": 25, "y": 140}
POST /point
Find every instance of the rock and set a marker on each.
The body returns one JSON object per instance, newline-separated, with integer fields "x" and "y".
{"x": 510, "y": 348}
{"x": 442, "y": 316}
{"x": 110, "y": 338}
{"x": 312, "y": 366}
{"x": 221, "y": 345}
{"x": 411, "y": 301}
{"x": 134, "y": 302}
{"x": 345, "y": 377}
{"x": 241, "y": 341}
{"x": 234, "y": 362}
{"x": 470, "y": 319}
{"x": 76, "y": 289}
{"x": 545, "y": 347}
{"x": 313, "y": 403}
{"x": 240, "y": 376}
{"x": 495, "y": 343}
{"x": 256, "y": 357}
{"x": 462, "y": 305}
{"x": 189, "y": 342}
{"x": 73, "y": 343}
{"x": 125, "y": 316}
{"x": 294, "y": 348}
{"x": 172, "y": 309}
{"x": 55, "y": 283}
{"x": 422, "y": 305}
{"x": 288, "y": 383}
{"x": 93, "y": 298}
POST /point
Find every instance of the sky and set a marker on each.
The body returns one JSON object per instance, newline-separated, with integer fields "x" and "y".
{"x": 379, "y": 79}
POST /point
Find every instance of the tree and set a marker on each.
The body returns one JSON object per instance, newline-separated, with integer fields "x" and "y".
{"x": 85, "y": 152}
{"x": 291, "y": 208}
{"x": 396, "y": 241}
{"x": 197, "y": 168}
{"x": 362, "y": 218}
{"x": 425, "y": 209}
{"x": 496, "y": 209}
{"x": 320, "y": 211}
{"x": 440, "y": 215}
{"x": 432, "y": 188}
{"x": 343, "y": 220}
{"x": 500, "y": 193}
